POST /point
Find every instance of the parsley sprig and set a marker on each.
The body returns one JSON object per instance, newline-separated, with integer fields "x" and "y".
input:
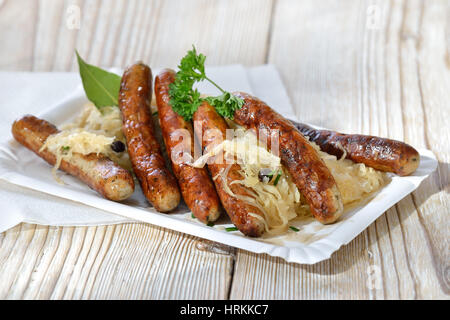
{"x": 185, "y": 100}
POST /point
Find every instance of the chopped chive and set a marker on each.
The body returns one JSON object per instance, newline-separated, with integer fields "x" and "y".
{"x": 192, "y": 216}
{"x": 155, "y": 113}
{"x": 294, "y": 229}
{"x": 231, "y": 229}
{"x": 210, "y": 224}
{"x": 65, "y": 148}
{"x": 277, "y": 178}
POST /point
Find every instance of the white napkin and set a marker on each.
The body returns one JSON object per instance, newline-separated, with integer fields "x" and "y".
{"x": 31, "y": 93}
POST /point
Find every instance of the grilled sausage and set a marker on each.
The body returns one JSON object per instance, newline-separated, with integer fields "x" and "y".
{"x": 312, "y": 177}
{"x": 157, "y": 182}
{"x": 208, "y": 121}
{"x": 97, "y": 171}
{"x": 379, "y": 153}
{"x": 195, "y": 184}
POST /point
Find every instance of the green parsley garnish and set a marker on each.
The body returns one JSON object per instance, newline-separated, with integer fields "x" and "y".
{"x": 185, "y": 100}
{"x": 231, "y": 229}
{"x": 294, "y": 229}
{"x": 210, "y": 224}
{"x": 192, "y": 216}
{"x": 65, "y": 148}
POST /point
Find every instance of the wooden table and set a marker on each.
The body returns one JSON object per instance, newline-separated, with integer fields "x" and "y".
{"x": 374, "y": 67}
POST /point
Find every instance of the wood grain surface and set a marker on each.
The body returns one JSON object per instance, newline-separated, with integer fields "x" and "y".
{"x": 375, "y": 67}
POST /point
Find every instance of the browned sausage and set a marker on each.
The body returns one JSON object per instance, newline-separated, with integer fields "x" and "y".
{"x": 195, "y": 184}
{"x": 207, "y": 122}
{"x": 379, "y": 153}
{"x": 312, "y": 177}
{"x": 157, "y": 182}
{"x": 97, "y": 171}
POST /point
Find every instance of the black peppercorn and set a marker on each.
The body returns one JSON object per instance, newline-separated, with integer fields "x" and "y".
{"x": 265, "y": 174}
{"x": 118, "y": 146}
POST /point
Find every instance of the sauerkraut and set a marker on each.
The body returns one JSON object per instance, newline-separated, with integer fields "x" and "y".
{"x": 354, "y": 180}
{"x": 106, "y": 123}
{"x": 91, "y": 132}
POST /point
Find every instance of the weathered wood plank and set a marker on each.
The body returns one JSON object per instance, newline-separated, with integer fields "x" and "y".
{"x": 132, "y": 260}
{"x": 352, "y": 66}
{"x": 17, "y": 22}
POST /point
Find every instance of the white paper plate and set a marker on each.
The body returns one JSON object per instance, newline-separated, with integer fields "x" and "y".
{"x": 313, "y": 243}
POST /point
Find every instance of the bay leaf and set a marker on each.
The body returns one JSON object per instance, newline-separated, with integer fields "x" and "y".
{"x": 101, "y": 87}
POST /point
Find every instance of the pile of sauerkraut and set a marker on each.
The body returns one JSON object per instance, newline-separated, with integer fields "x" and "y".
{"x": 354, "y": 180}
{"x": 91, "y": 132}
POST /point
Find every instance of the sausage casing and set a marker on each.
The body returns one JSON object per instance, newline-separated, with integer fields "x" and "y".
{"x": 206, "y": 121}
{"x": 157, "y": 182}
{"x": 379, "y": 153}
{"x": 312, "y": 177}
{"x": 97, "y": 171}
{"x": 195, "y": 184}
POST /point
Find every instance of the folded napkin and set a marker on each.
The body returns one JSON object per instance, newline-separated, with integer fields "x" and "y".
{"x": 31, "y": 93}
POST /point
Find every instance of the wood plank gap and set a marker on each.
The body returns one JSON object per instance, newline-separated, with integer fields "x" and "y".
{"x": 230, "y": 284}
{"x": 61, "y": 24}
{"x": 386, "y": 71}
{"x": 422, "y": 102}
{"x": 130, "y": 33}
{"x": 382, "y": 267}
{"x": 36, "y": 29}
{"x": 393, "y": 255}
{"x": 269, "y": 34}
{"x": 93, "y": 34}
{"x": 413, "y": 278}
{"x": 117, "y": 38}
{"x": 149, "y": 49}
{"x": 400, "y": 68}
